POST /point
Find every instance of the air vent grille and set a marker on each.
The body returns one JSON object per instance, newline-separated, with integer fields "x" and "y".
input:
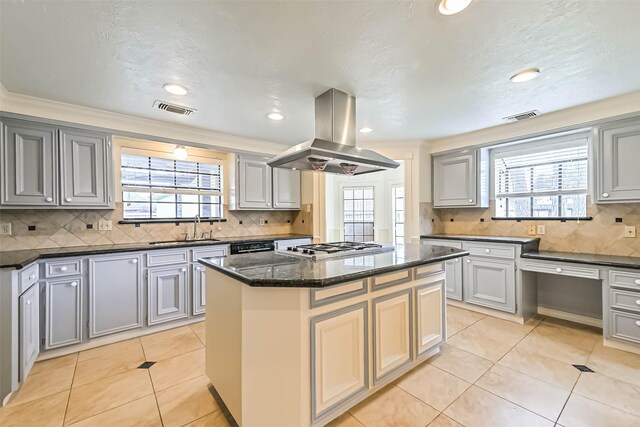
{"x": 173, "y": 108}
{"x": 522, "y": 116}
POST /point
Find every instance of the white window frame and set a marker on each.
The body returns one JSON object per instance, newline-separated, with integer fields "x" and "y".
{"x": 393, "y": 213}
{"x": 342, "y": 211}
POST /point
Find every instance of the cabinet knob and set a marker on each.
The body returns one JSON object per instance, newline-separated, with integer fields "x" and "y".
{"x": 470, "y": 200}
{"x": 183, "y": 269}
{"x": 200, "y": 269}
{"x": 637, "y": 282}
{"x": 63, "y": 268}
{"x": 28, "y": 302}
{"x": 468, "y": 261}
{"x": 68, "y": 199}
{"x": 638, "y": 322}
{"x": 49, "y": 199}
{"x": 457, "y": 260}
{"x": 134, "y": 261}
{"x": 558, "y": 270}
{"x": 276, "y": 204}
{"x": 33, "y": 276}
{"x": 74, "y": 284}
{"x": 638, "y": 301}
{"x": 605, "y": 195}
{"x": 488, "y": 251}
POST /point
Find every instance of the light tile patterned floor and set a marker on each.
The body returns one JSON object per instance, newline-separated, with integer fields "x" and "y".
{"x": 491, "y": 373}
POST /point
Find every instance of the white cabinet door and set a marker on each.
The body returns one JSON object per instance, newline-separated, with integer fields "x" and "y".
{"x": 455, "y": 181}
{"x": 286, "y": 188}
{"x": 254, "y": 184}
{"x": 199, "y": 284}
{"x": 430, "y": 316}
{"x": 29, "y": 330}
{"x": 453, "y": 268}
{"x": 63, "y": 312}
{"x": 339, "y": 368}
{"x": 618, "y": 174}
{"x": 392, "y": 331}
{"x": 491, "y": 283}
{"x": 167, "y": 293}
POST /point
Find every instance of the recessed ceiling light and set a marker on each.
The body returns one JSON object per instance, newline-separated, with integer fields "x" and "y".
{"x": 451, "y": 7}
{"x": 365, "y": 129}
{"x": 276, "y": 115}
{"x": 525, "y": 75}
{"x": 180, "y": 152}
{"x": 175, "y": 89}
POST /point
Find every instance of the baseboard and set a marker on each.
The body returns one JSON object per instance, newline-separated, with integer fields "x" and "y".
{"x": 631, "y": 348}
{"x": 487, "y": 311}
{"x": 572, "y": 317}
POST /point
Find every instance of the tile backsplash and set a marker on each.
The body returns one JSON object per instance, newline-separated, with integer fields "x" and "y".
{"x": 64, "y": 228}
{"x": 602, "y": 235}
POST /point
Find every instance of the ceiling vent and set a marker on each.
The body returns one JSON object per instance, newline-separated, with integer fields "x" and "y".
{"x": 173, "y": 108}
{"x": 522, "y": 116}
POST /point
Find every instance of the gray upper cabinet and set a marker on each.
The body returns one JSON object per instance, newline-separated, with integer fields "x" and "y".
{"x": 286, "y": 188}
{"x": 490, "y": 282}
{"x": 63, "y": 312}
{"x": 618, "y": 156}
{"x": 115, "y": 294}
{"x": 167, "y": 293}
{"x": 29, "y": 164}
{"x": 29, "y": 326}
{"x": 85, "y": 159}
{"x": 254, "y": 189}
{"x": 461, "y": 179}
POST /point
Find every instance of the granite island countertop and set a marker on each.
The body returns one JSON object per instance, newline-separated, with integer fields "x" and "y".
{"x": 21, "y": 258}
{"x": 271, "y": 269}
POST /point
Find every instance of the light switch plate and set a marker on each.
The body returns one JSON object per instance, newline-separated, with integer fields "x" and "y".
{"x": 541, "y": 230}
{"x": 532, "y": 230}
{"x": 629, "y": 231}
{"x": 5, "y": 229}
{"x": 105, "y": 225}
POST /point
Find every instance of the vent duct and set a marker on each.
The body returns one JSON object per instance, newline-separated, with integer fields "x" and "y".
{"x": 522, "y": 116}
{"x": 173, "y": 108}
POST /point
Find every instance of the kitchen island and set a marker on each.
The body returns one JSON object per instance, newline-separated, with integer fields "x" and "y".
{"x": 292, "y": 341}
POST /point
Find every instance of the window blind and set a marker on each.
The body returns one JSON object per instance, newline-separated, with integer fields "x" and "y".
{"x": 542, "y": 179}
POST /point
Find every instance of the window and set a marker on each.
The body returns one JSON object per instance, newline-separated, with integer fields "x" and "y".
{"x": 358, "y": 214}
{"x": 159, "y": 188}
{"x": 543, "y": 180}
{"x": 397, "y": 194}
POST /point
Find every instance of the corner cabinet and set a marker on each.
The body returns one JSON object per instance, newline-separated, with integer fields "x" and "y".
{"x": 46, "y": 167}
{"x": 257, "y": 186}
{"x": 617, "y": 171}
{"x": 460, "y": 179}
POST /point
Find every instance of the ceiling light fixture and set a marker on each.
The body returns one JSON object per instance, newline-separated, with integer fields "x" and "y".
{"x": 365, "y": 129}
{"x": 276, "y": 115}
{"x": 180, "y": 152}
{"x": 175, "y": 89}
{"x": 525, "y": 75}
{"x": 451, "y": 7}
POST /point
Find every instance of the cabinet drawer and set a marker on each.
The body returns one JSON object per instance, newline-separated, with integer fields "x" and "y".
{"x": 625, "y": 279}
{"x": 391, "y": 279}
{"x": 167, "y": 258}
{"x": 442, "y": 242}
{"x": 561, "y": 269}
{"x": 28, "y": 277}
{"x": 320, "y": 297}
{"x": 625, "y": 326}
{"x": 490, "y": 250}
{"x": 625, "y": 300}
{"x": 211, "y": 252}
{"x": 63, "y": 268}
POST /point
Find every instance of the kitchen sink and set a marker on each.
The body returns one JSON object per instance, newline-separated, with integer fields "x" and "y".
{"x": 172, "y": 242}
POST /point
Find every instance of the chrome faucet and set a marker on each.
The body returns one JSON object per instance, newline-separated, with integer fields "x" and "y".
{"x": 196, "y": 221}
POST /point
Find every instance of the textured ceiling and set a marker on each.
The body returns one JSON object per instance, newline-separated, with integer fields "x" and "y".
{"x": 416, "y": 74}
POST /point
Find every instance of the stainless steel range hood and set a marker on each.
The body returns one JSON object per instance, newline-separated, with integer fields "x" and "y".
{"x": 333, "y": 150}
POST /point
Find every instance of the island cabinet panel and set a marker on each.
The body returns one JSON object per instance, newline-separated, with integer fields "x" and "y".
{"x": 63, "y": 312}
{"x": 490, "y": 283}
{"x": 167, "y": 295}
{"x": 339, "y": 358}
{"x": 115, "y": 294}
{"x": 392, "y": 332}
{"x": 198, "y": 289}
{"x": 430, "y": 316}
{"x": 29, "y": 334}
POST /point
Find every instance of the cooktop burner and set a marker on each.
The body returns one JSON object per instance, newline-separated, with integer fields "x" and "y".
{"x": 326, "y": 250}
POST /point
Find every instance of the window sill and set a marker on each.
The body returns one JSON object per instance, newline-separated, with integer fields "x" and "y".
{"x": 543, "y": 218}
{"x": 169, "y": 220}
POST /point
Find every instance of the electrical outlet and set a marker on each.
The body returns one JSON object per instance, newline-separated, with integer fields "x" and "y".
{"x": 629, "y": 231}
{"x": 532, "y": 230}
{"x": 105, "y": 225}
{"x": 263, "y": 221}
{"x": 541, "y": 230}
{"x": 5, "y": 229}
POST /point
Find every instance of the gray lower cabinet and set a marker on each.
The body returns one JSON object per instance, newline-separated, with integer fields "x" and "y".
{"x": 286, "y": 188}
{"x": 617, "y": 171}
{"x": 29, "y": 330}
{"x": 254, "y": 184}
{"x": 490, "y": 282}
{"x": 63, "y": 313}
{"x": 29, "y": 161}
{"x": 115, "y": 294}
{"x": 167, "y": 293}
{"x": 453, "y": 269}
{"x": 198, "y": 289}
{"x": 85, "y": 159}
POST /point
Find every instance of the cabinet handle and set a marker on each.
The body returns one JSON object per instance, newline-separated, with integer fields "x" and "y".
{"x": 637, "y": 282}
{"x": 605, "y": 195}
{"x": 63, "y": 268}
{"x": 74, "y": 284}
{"x": 134, "y": 261}
{"x": 68, "y": 199}
{"x": 558, "y": 270}
{"x": 183, "y": 269}
{"x": 49, "y": 199}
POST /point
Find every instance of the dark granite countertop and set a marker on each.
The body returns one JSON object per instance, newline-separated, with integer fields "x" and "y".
{"x": 592, "y": 259}
{"x": 20, "y": 259}
{"x": 489, "y": 239}
{"x": 270, "y": 269}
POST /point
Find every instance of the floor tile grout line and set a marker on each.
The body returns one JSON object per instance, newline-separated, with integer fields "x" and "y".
{"x": 115, "y": 407}
{"x": 568, "y": 397}
{"x": 73, "y": 378}
{"x": 155, "y": 396}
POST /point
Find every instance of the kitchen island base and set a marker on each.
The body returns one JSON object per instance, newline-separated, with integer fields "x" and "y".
{"x": 303, "y": 356}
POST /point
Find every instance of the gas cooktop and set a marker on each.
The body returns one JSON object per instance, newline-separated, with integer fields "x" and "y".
{"x": 334, "y": 249}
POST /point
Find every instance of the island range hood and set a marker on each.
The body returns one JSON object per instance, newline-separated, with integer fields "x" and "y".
{"x": 333, "y": 150}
